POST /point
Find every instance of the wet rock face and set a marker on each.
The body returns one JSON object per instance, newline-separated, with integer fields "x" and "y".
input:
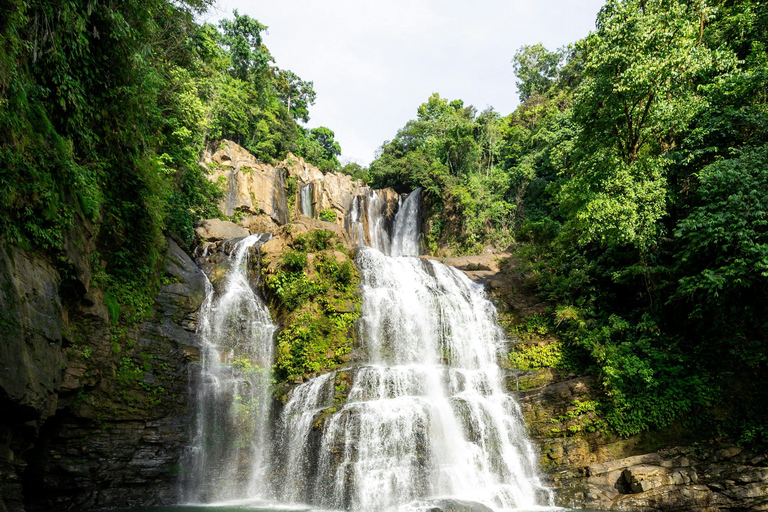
{"x": 91, "y": 417}
{"x": 31, "y": 324}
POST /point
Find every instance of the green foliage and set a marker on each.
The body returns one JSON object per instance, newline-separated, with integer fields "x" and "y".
{"x": 531, "y": 357}
{"x": 637, "y": 169}
{"x": 453, "y": 154}
{"x": 536, "y": 68}
{"x": 318, "y": 304}
{"x": 355, "y": 171}
{"x": 104, "y": 111}
{"x": 327, "y": 216}
{"x": 582, "y": 416}
{"x": 296, "y": 94}
{"x": 318, "y": 145}
{"x": 128, "y": 373}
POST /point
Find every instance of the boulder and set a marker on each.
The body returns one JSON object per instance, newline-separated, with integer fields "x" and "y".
{"x": 215, "y": 230}
{"x": 183, "y": 296}
{"x": 259, "y": 224}
{"x": 303, "y": 225}
{"x": 449, "y": 505}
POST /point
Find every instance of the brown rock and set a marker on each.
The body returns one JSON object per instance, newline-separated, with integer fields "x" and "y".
{"x": 249, "y": 185}
{"x": 259, "y": 224}
{"x": 213, "y": 230}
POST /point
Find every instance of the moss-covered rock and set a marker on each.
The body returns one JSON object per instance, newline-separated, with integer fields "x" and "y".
{"x": 312, "y": 289}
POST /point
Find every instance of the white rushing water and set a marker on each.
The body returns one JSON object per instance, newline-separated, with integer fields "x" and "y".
{"x": 230, "y": 453}
{"x": 426, "y": 416}
{"x": 365, "y": 223}
{"x": 305, "y": 199}
{"x": 367, "y": 226}
{"x": 421, "y": 415}
{"x": 405, "y": 231}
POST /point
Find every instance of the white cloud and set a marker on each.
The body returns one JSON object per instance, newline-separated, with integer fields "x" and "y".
{"x": 374, "y": 63}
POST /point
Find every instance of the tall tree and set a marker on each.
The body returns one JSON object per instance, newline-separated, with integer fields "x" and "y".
{"x": 242, "y": 38}
{"x": 536, "y": 68}
{"x": 295, "y": 93}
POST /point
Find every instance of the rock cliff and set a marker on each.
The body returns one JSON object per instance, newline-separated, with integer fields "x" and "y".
{"x": 259, "y": 189}
{"x": 94, "y": 416}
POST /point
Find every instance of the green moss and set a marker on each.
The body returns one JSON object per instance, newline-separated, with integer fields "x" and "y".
{"x": 531, "y": 357}
{"x": 327, "y": 215}
{"x": 317, "y": 303}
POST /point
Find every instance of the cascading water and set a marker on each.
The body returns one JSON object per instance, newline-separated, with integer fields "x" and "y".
{"x": 231, "y": 447}
{"x": 366, "y": 209}
{"x": 426, "y": 416}
{"x": 405, "y": 231}
{"x": 305, "y": 199}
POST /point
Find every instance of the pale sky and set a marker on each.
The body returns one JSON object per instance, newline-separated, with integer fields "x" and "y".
{"x": 374, "y": 63}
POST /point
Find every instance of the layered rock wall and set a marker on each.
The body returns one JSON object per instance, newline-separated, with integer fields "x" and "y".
{"x": 267, "y": 196}
{"x": 93, "y": 416}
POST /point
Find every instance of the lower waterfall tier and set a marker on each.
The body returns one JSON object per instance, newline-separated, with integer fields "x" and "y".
{"x": 427, "y": 418}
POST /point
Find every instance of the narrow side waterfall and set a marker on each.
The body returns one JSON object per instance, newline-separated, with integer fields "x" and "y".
{"x": 231, "y": 447}
{"x": 354, "y": 221}
{"x": 305, "y": 199}
{"x": 376, "y": 230}
{"x": 405, "y": 232}
{"x": 426, "y": 416}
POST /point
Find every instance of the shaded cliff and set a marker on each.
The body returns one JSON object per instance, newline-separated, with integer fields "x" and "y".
{"x": 94, "y": 415}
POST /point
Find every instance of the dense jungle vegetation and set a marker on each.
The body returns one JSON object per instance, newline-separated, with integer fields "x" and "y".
{"x": 104, "y": 110}
{"x": 632, "y": 179}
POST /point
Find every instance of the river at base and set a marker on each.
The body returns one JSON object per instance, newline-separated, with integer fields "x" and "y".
{"x": 261, "y": 506}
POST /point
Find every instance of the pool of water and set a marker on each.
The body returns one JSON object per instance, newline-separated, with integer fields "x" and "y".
{"x": 260, "y": 506}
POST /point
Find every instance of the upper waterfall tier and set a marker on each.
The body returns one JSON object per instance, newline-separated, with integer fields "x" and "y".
{"x": 373, "y": 222}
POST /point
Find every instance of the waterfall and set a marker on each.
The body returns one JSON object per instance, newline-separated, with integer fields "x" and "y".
{"x": 376, "y": 230}
{"x": 426, "y": 416}
{"x": 366, "y": 213}
{"x": 405, "y": 232}
{"x": 367, "y": 226}
{"x": 305, "y": 196}
{"x": 421, "y": 417}
{"x": 354, "y": 222}
{"x": 230, "y": 451}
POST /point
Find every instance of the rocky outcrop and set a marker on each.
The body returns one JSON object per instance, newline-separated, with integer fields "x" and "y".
{"x": 259, "y": 224}
{"x": 269, "y": 195}
{"x": 215, "y": 230}
{"x": 677, "y": 479}
{"x": 284, "y": 236}
{"x": 248, "y": 185}
{"x": 330, "y": 192}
